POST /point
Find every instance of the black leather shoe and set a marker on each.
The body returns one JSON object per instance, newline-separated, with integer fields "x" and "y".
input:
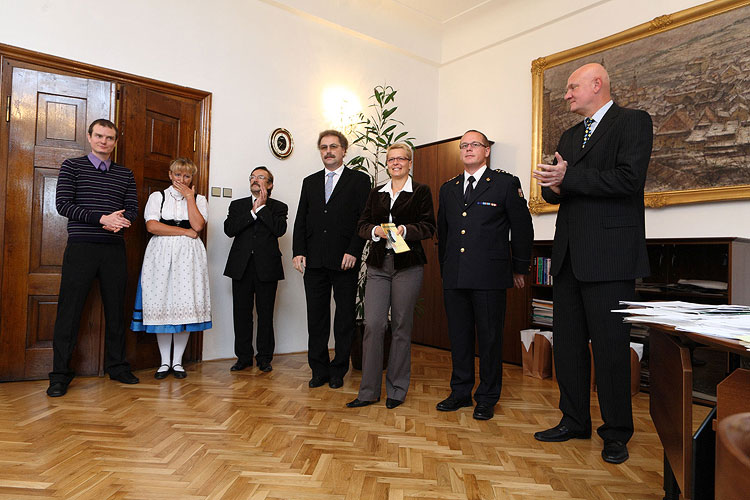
{"x": 336, "y": 383}
{"x": 614, "y": 452}
{"x": 392, "y": 403}
{"x": 560, "y": 433}
{"x": 452, "y": 404}
{"x": 317, "y": 382}
{"x": 358, "y": 403}
{"x": 265, "y": 367}
{"x": 239, "y": 365}
{"x": 161, "y": 375}
{"x": 125, "y": 377}
{"x": 484, "y": 411}
{"x": 57, "y": 389}
{"x": 179, "y": 373}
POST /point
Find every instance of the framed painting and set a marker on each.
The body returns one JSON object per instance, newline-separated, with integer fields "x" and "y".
{"x": 691, "y": 71}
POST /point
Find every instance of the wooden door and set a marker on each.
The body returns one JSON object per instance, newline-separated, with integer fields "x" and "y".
{"x": 49, "y": 116}
{"x": 433, "y": 165}
{"x": 155, "y": 129}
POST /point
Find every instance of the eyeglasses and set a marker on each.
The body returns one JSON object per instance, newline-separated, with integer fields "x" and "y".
{"x": 474, "y": 145}
{"x": 259, "y": 177}
{"x": 399, "y": 159}
{"x": 329, "y": 147}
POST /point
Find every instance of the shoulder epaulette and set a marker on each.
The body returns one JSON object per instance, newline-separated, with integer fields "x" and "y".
{"x": 501, "y": 171}
{"x": 454, "y": 178}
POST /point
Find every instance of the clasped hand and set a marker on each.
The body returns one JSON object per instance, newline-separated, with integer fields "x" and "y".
{"x": 262, "y": 197}
{"x": 551, "y": 176}
{"x": 114, "y": 221}
{"x": 381, "y": 234}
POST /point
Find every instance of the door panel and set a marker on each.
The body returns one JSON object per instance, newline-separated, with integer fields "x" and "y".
{"x": 433, "y": 165}
{"x": 49, "y": 114}
{"x": 156, "y": 129}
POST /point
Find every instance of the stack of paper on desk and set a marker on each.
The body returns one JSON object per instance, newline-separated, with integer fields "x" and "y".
{"x": 722, "y": 321}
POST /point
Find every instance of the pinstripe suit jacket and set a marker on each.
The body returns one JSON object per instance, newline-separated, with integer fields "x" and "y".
{"x": 601, "y": 216}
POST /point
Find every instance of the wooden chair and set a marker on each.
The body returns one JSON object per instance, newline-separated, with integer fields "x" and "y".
{"x": 733, "y": 458}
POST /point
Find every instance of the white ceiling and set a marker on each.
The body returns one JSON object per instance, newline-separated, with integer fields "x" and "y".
{"x": 442, "y": 11}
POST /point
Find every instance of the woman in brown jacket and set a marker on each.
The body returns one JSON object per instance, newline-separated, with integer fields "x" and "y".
{"x": 393, "y": 279}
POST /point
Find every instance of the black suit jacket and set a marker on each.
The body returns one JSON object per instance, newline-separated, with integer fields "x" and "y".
{"x": 412, "y": 210}
{"x": 473, "y": 244}
{"x": 601, "y": 217}
{"x": 255, "y": 237}
{"x": 324, "y": 232}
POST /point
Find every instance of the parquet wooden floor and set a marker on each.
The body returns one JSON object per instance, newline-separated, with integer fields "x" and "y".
{"x": 250, "y": 435}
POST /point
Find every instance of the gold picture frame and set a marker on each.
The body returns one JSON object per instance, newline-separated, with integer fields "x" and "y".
{"x": 701, "y": 114}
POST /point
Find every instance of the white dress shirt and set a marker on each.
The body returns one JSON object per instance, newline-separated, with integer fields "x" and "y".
{"x": 336, "y": 177}
{"x": 477, "y": 175}
{"x": 388, "y": 188}
{"x": 597, "y": 117}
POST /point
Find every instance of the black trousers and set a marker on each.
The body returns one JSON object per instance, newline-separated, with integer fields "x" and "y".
{"x": 82, "y": 263}
{"x": 582, "y": 312}
{"x": 245, "y": 291}
{"x": 483, "y": 312}
{"x": 318, "y": 285}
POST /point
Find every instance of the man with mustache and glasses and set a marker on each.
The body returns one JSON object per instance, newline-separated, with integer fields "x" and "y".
{"x": 327, "y": 250}
{"x": 256, "y": 223}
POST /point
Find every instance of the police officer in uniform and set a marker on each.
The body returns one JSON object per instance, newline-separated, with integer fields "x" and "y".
{"x": 478, "y": 261}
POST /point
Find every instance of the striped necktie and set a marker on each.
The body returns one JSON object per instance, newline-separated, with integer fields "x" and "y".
{"x": 588, "y": 122}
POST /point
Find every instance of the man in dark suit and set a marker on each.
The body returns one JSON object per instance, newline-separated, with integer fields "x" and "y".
{"x": 478, "y": 263}
{"x": 598, "y": 252}
{"x": 256, "y": 223}
{"x": 327, "y": 250}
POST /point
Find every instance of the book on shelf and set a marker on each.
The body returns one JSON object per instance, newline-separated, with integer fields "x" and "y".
{"x": 541, "y": 312}
{"x": 543, "y": 276}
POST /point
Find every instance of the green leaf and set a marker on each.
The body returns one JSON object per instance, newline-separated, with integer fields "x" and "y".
{"x": 389, "y": 112}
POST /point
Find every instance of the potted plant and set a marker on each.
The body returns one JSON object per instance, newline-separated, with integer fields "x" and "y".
{"x": 373, "y": 134}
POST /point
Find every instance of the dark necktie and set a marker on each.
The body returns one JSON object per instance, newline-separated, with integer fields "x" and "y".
{"x": 587, "y": 133}
{"x": 469, "y": 189}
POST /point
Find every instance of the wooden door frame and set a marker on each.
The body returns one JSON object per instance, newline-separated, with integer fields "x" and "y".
{"x": 45, "y": 62}
{"x": 75, "y": 68}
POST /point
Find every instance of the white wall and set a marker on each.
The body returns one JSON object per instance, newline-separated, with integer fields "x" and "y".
{"x": 490, "y": 89}
{"x": 266, "y": 68}
{"x": 267, "y": 63}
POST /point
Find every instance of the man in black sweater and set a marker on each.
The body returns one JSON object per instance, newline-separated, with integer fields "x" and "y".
{"x": 99, "y": 199}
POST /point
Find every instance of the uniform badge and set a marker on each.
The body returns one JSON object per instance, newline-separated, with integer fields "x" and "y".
{"x": 520, "y": 193}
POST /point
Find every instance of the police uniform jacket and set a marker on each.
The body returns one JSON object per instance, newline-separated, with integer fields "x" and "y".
{"x": 474, "y": 248}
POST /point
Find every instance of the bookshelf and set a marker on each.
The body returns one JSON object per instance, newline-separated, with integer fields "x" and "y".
{"x": 703, "y": 270}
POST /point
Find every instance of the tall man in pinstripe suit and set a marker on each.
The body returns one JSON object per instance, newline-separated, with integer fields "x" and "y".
{"x": 599, "y": 250}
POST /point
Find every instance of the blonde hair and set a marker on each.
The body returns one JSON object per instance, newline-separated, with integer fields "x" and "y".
{"x": 403, "y": 146}
{"x": 183, "y": 164}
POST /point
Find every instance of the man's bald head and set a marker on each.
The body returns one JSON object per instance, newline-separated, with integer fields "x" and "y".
{"x": 588, "y": 89}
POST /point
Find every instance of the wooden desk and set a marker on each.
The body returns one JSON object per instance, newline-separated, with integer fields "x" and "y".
{"x": 671, "y": 399}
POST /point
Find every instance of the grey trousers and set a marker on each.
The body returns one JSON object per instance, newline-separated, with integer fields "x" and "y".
{"x": 397, "y": 290}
